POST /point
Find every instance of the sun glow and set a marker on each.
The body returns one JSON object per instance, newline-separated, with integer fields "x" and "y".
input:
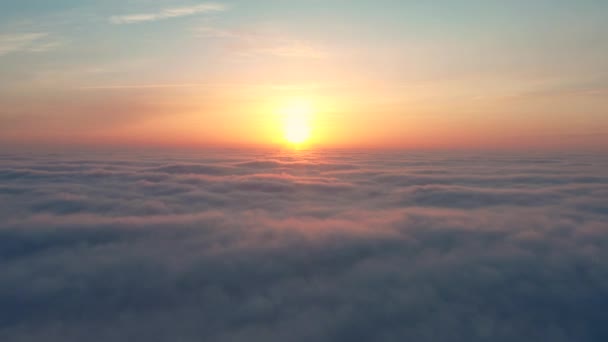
{"x": 296, "y": 122}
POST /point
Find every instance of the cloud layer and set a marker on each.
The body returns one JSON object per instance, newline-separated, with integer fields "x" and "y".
{"x": 286, "y": 246}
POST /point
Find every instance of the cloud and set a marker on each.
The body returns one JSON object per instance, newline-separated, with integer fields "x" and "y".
{"x": 325, "y": 246}
{"x": 294, "y": 49}
{"x": 28, "y": 42}
{"x": 252, "y": 43}
{"x": 168, "y": 13}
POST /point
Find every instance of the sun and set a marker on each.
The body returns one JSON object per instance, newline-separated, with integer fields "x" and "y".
{"x": 297, "y": 130}
{"x": 296, "y": 122}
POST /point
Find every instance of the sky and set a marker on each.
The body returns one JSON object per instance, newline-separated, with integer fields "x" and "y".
{"x": 382, "y": 73}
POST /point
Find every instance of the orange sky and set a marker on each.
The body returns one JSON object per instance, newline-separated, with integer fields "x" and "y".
{"x": 389, "y": 76}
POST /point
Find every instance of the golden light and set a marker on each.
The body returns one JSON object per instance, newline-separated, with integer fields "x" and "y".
{"x": 297, "y": 116}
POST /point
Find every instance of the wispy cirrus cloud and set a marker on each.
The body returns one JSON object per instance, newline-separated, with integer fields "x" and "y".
{"x": 168, "y": 13}
{"x": 251, "y": 43}
{"x": 31, "y": 42}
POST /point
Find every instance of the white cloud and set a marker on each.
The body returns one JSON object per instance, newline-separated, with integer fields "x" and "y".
{"x": 168, "y": 13}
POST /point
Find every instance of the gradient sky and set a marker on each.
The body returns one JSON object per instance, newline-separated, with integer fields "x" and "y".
{"x": 378, "y": 73}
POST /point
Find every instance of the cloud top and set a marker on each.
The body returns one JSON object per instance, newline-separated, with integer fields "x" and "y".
{"x": 323, "y": 246}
